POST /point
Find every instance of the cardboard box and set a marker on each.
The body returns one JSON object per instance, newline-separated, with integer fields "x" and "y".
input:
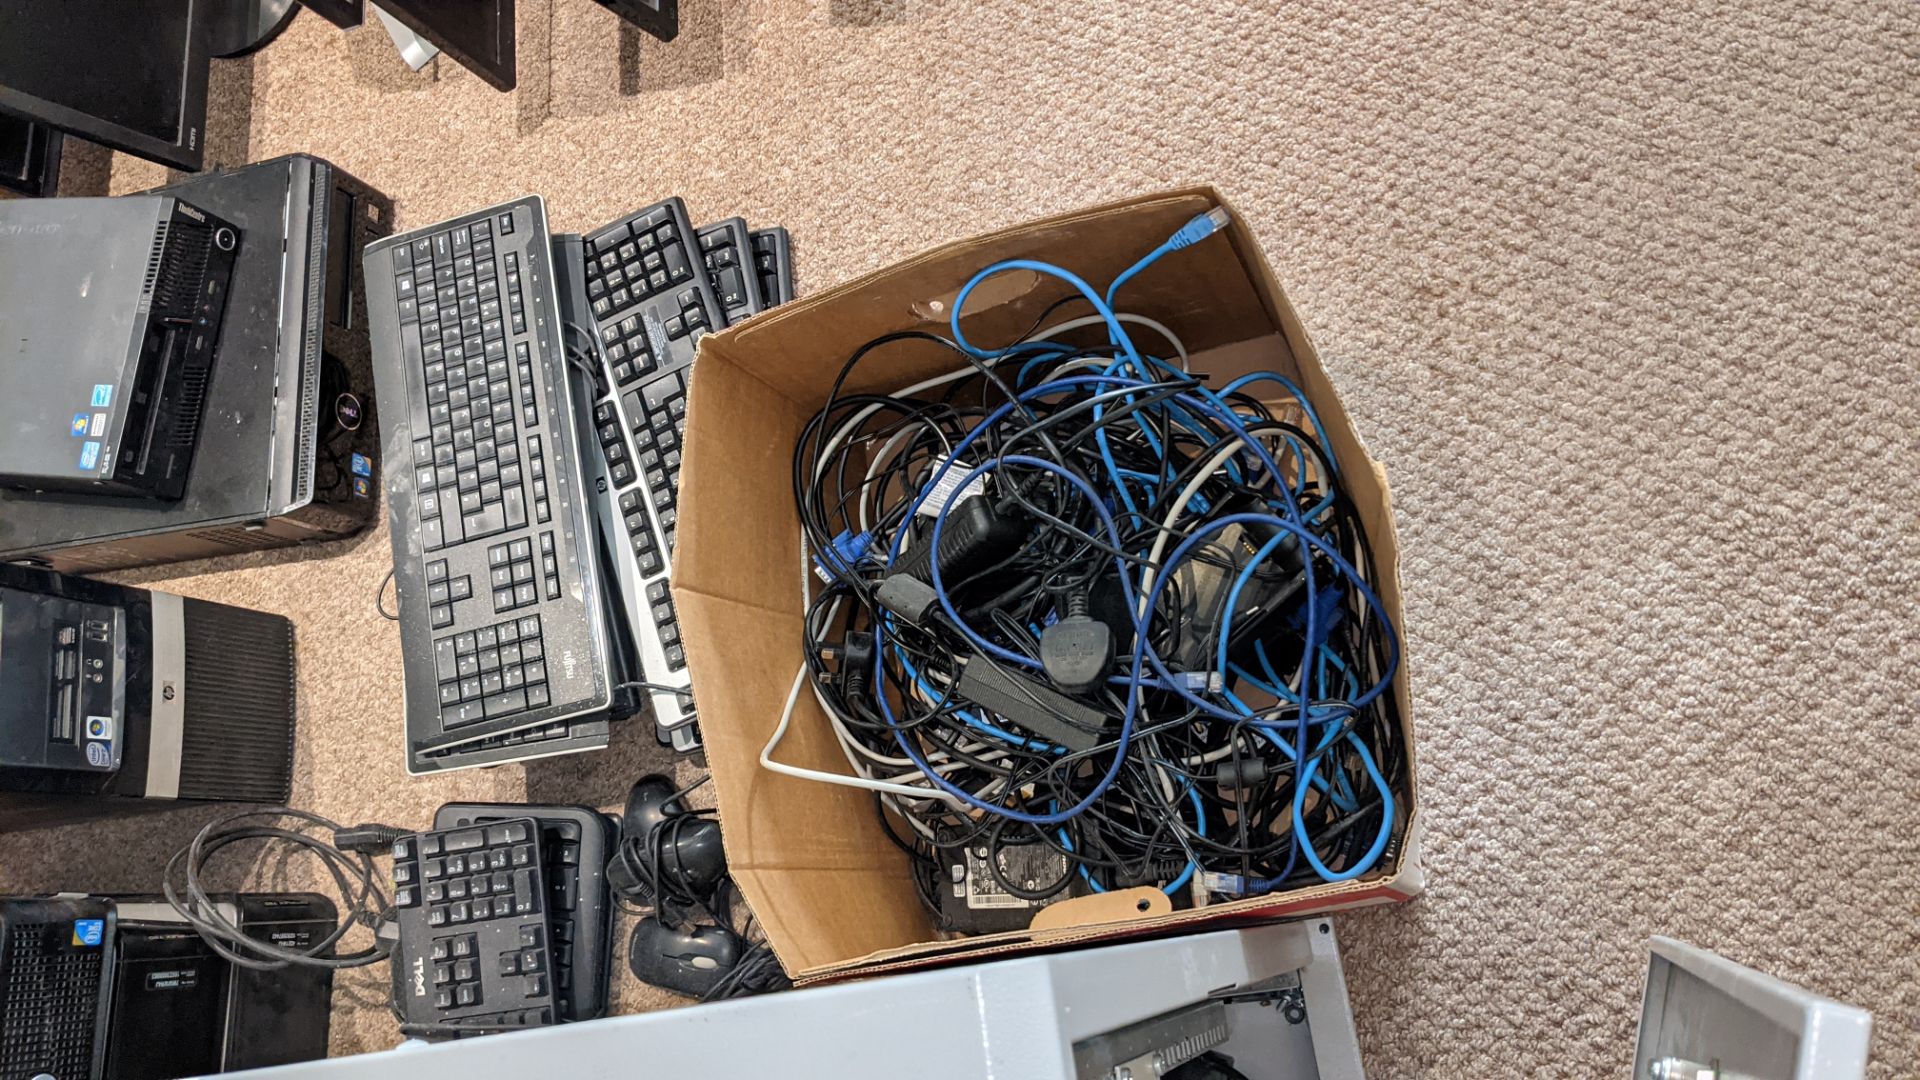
{"x": 835, "y": 897}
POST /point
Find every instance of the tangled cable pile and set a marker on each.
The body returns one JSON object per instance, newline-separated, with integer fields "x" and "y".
{"x": 1070, "y": 594}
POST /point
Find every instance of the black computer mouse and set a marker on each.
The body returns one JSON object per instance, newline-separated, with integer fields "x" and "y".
{"x": 690, "y": 853}
{"x": 649, "y": 802}
{"x": 689, "y": 961}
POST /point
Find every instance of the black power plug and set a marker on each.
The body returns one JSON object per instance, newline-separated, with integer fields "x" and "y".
{"x": 1077, "y": 651}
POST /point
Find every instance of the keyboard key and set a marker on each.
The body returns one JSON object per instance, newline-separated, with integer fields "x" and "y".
{"x": 507, "y": 703}
{"x": 465, "y": 840}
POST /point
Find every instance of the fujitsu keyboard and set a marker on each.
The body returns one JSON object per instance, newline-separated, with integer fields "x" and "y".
{"x": 575, "y": 842}
{"x": 773, "y": 265}
{"x": 475, "y": 950}
{"x": 728, "y": 254}
{"x": 501, "y": 611}
{"x": 547, "y": 740}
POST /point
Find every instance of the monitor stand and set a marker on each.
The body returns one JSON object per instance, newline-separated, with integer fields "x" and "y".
{"x": 238, "y": 27}
{"x": 415, "y": 50}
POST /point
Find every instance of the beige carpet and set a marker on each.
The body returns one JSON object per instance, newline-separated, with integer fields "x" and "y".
{"x": 1623, "y": 293}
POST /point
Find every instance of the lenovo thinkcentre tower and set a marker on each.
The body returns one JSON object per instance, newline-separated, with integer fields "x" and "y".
{"x": 287, "y": 445}
{"x": 109, "y": 314}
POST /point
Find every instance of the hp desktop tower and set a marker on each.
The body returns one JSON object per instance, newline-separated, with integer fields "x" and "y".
{"x": 120, "y": 699}
{"x": 287, "y": 453}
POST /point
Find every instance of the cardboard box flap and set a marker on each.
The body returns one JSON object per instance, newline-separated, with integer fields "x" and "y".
{"x": 808, "y": 913}
{"x": 770, "y": 821}
{"x": 1249, "y": 912}
{"x": 740, "y": 538}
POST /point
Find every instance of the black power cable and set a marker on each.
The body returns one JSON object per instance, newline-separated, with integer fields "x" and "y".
{"x": 347, "y": 857}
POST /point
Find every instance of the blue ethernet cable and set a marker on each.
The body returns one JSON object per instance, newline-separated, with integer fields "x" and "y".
{"x": 1313, "y": 417}
{"x": 1195, "y": 230}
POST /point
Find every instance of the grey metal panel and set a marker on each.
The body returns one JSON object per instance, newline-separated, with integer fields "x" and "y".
{"x": 1705, "y": 1013}
{"x": 167, "y": 730}
{"x": 1014, "y": 1019}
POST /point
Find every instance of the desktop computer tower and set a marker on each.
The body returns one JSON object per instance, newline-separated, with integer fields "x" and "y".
{"x": 55, "y": 971}
{"x": 106, "y": 988}
{"x": 120, "y": 699}
{"x": 287, "y": 453}
{"x": 111, "y": 309}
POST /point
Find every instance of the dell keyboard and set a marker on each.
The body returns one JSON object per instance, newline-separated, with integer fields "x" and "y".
{"x": 500, "y": 609}
{"x": 474, "y": 946}
{"x": 773, "y": 265}
{"x": 575, "y": 843}
{"x": 728, "y": 254}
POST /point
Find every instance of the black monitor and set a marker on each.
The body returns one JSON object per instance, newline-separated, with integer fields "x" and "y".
{"x": 478, "y": 33}
{"x": 131, "y": 74}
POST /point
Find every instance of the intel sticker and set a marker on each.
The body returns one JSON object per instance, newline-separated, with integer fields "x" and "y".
{"x": 362, "y": 465}
{"x": 89, "y": 455}
{"x": 79, "y": 424}
{"x": 102, "y": 395}
{"x": 89, "y": 931}
{"x": 98, "y": 755}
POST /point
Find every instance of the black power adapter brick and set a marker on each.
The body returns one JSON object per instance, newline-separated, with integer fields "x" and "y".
{"x": 975, "y": 535}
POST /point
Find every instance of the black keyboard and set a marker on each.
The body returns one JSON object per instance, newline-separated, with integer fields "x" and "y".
{"x": 650, "y": 302}
{"x": 547, "y": 740}
{"x": 474, "y": 946}
{"x": 773, "y": 265}
{"x": 728, "y": 254}
{"x": 499, "y": 596}
{"x": 576, "y": 843}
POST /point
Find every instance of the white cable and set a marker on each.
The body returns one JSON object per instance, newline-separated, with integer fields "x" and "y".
{"x": 1138, "y": 320}
{"x": 864, "y": 781}
{"x": 1178, "y": 506}
{"x": 780, "y": 732}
